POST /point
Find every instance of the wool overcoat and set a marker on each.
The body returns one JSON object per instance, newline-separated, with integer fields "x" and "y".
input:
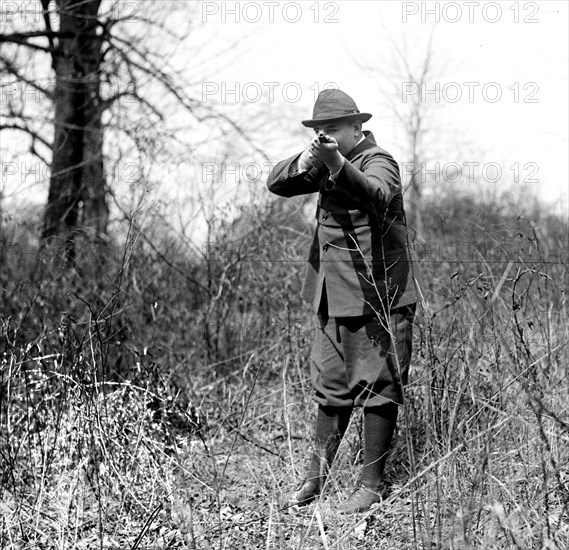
{"x": 360, "y": 254}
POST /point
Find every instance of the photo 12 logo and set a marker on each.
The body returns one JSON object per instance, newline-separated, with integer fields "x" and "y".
{"x": 47, "y": 92}
{"x": 269, "y": 12}
{"x": 248, "y": 172}
{"x": 39, "y": 172}
{"x": 29, "y": 12}
{"x": 253, "y": 92}
{"x": 455, "y": 92}
{"x": 508, "y": 250}
{"x": 455, "y": 12}
{"x": 279, "y": 250}
{"x": 21, "y": 12}
{"x": 469, "y": 172}
{"x": 124, "y": 172}
{"x": 23, "y": 172}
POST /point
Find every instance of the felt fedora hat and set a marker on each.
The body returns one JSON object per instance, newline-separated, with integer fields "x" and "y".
{"x": 334, "y": 106}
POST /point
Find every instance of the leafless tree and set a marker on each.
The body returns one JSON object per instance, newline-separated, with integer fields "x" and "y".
{"x": 101, "y": 58}
{"x": 404, "y": 74}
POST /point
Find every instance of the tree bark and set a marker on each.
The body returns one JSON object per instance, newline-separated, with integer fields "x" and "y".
{"x": 77, "y": 189}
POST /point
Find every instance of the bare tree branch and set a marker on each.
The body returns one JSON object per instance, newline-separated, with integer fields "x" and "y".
{"x": 36, "y": 136}
{"x": 22, "y": 39}
{"x": 13, "y": 70}
{"x": 90, "y": 63}
{"x": 47, "y": 22}
{"x": 189, "y": 103}
{"x": 111, "y": 100}
{"x": 155, "y": 248}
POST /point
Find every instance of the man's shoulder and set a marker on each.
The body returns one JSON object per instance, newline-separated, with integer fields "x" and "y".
{"x": 370, "y": 148}
{"x": 374, "y": 153}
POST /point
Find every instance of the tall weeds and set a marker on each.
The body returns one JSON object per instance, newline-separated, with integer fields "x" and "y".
{"x": 154, "y": 399}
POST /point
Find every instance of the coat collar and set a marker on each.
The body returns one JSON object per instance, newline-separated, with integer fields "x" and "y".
{"x": 367, "y": 143}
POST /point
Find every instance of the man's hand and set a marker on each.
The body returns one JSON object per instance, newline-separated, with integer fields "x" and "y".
{"x": 327, "y": 152}
{"x": 306, "y": 160}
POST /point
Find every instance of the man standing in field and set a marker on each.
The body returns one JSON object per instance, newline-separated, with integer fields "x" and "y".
{"x": 361, "y": 281}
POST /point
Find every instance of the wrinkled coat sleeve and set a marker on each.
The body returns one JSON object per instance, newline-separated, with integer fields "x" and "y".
{"x": 288, "y": 180}
{"x": 376, "y": 183}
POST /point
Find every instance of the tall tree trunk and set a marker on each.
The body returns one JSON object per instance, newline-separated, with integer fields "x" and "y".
{"x": 77, "y": 189}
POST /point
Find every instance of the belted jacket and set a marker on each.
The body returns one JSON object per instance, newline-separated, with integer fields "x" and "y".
{"x": 360, "y": 254}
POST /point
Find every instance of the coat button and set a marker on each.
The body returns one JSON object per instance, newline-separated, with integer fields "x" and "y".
{"x": 324, "y": 216}
{"x": 325, "y": 247}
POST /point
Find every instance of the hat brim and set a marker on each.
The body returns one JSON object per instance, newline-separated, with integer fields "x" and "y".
{"x": 364, "y": 117}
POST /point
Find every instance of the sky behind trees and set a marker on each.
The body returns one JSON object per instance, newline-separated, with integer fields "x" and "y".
{"x": 525, "y": 62}
{"x": 498, "y": 95}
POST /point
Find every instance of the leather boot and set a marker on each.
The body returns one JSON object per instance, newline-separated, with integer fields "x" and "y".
{"x": 379, "y": 425}
{"x": 331, "y": 424}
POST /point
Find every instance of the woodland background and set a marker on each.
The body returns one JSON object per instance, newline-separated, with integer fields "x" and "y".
{"x": 154, "y": 387}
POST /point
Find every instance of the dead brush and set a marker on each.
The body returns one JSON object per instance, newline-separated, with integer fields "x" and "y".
{"x": 196, "y": 448}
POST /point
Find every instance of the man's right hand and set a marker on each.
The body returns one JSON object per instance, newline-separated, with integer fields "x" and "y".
{"x": 306, "y": 160}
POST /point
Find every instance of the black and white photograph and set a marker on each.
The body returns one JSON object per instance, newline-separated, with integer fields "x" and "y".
{"x": 284, "y": 275}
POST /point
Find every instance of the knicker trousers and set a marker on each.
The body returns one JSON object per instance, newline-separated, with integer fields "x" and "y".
{"x": 362, "y": 361}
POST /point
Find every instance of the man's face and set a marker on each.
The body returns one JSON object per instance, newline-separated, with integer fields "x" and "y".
{"x": 346, "y": 134}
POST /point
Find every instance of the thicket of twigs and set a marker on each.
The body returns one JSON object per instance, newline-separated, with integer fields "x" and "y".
{"x": 154, "y": 399}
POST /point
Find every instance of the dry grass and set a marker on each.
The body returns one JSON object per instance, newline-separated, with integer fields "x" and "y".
{"x": 155, "y": 440}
